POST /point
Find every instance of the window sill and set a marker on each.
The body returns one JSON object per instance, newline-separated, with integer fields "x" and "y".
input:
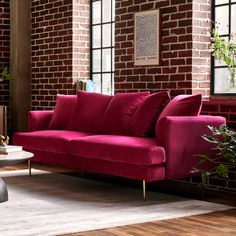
{"x": 221, "y": 99}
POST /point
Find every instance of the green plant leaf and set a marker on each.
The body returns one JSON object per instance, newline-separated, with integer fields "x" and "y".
{"x": 5, "y": 75}
{"x": 223, "y": 141}
{"x": 222, "y": 50}
{"x": 222, "y": 170}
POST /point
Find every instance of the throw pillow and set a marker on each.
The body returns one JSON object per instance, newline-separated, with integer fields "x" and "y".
{"x": 145, "y": 118}
{"x": 182, "y": 105}
{"x": 65, "y": 106}
{"x": 89, "y": 112}
{"x": 119, "y": 113}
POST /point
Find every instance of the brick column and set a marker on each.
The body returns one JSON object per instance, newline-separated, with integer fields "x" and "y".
{"x": 80, "y": 39}
{"x": 201, "y": 55}
{"x": 59, "y": 29}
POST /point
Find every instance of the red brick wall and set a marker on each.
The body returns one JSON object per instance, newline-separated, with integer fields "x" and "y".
{"x": 178, "y": 38}
{"x": 226, "y": 108}
{"x": 54, "y": 40}
{"x": 5, "y": 53}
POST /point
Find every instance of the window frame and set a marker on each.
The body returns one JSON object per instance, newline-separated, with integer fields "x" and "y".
{"x": 213, "y": 66}
{"x": 101, "y": 48}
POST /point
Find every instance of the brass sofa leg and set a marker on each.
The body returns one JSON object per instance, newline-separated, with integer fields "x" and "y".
{"x": 29, "y": 166}
{"x": 144, "y": 190}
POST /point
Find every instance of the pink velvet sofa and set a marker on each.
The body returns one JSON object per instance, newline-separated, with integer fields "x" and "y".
{"x": 133, "y": 135}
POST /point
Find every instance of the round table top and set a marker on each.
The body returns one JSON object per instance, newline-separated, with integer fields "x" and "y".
{"x": 14, "y": 158}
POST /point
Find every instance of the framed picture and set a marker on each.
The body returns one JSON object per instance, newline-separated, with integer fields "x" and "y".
{"x": 147, "y": 38}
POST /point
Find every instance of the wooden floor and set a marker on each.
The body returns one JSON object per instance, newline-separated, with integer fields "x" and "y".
{"x": 219, "y": 223}
{"x": 211, "y": 224}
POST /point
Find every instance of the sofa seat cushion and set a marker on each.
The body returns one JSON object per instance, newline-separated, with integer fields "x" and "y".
{"x": 122, "y": 149}
{"x": 47, "y": 140}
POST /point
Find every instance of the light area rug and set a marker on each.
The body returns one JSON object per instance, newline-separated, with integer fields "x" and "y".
{"x": 54, "y": 204}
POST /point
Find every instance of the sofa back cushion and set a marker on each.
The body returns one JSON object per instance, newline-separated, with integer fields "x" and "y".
{"x": 144, "y": 120}
{"x": 119, "y": 113}
{"x": 89, "y": 113}
{"x": 181, "y": 105}
{"x": 65, "y": 106}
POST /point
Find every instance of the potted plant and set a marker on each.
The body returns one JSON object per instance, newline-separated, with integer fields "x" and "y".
{"x": 224, "y": 144}
{"x": 5, "y": 75}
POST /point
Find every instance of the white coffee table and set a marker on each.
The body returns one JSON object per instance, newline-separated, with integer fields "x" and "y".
{"x": 11, "y": 159}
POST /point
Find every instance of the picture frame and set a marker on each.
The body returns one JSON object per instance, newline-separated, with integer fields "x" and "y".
{"x": 147, "y": 38}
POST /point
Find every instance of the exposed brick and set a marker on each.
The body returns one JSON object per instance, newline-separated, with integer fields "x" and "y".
{"x": 210, "y": 107}
{"x": 52, "y": 34}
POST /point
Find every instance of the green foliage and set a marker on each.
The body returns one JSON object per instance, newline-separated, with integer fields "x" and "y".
{"x": 222, "y": 50}
{"x": 226, "y": 52}
{"x": 224, "y": 145}
{"x": 5, "y": 75}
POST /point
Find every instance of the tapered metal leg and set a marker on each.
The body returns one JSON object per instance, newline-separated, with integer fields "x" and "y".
{"x": 144, "y": 190}
{"x": 29, "y": 166}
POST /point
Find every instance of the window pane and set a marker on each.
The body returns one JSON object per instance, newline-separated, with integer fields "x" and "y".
{"x": 106, "y": 35}
{"x": 219, "y": 63}
{"x": 221, "y": 1}
{"x": 106, "y": 8}
{"x": 113, "y": 89}
{"x": 113, "y": 35}
{"x": 106, "y": 60}
{"x": 97, "y": 80}
{"x": 113, "y": 10}
{"x": 221, "y": 75}
{"x": 96, "y": 60}
{"x": 106, "y": 83}
{"x": 102, "y": 45}
{"x": 113, "y": 59}
{"x": 221, "y": 19}
{"x": 96, "y": 36}
{"x": 233, "y": 17}
{"x": 97, "y": 12}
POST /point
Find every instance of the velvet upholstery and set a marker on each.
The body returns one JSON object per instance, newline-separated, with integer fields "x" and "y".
{"x": 89, "y": 113}
{"x": 118, "y": 116}
{"x": 182, "y": 139}
{"x": 123, "y": 149}
{"x": 144, "y": 120}
{"x": 65, "y": 107}
{"x": 171, "y": 156}
{"x": 39, "y": 120}
{"x": 48, "y": 140}
{"x": 137, "y": 172}
{"x": 181, "y": 105}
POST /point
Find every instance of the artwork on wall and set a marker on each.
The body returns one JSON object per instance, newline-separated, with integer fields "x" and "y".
{"x": 147, "y": 38}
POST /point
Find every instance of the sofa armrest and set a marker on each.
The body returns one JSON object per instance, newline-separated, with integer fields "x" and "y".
{"x": 39, "y": 120}
{"x": 181, "y": 136}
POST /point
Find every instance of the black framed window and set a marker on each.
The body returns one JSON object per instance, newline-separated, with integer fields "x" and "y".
{"x": 102, "y": 46}
{"x": 224, "y": 15}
